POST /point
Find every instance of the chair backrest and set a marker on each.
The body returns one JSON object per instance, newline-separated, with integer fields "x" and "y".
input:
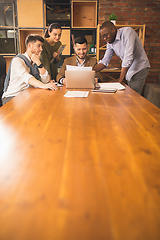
{"x": 2, "y": 66}
{"x": 2, "y": 75}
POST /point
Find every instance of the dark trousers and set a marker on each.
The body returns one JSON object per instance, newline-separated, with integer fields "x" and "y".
{"x": 138, "y": 80}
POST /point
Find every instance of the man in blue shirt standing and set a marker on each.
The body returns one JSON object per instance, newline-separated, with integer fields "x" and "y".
{"x": 125, "y": 43}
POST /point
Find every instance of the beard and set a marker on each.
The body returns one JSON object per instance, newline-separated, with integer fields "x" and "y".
{"x": 84, "y": 56}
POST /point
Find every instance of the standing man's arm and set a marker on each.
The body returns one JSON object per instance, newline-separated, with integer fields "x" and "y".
{"x": 129, "y": 43}
{"x": 123, "y": 73}
{"x": 106, "y": 59}
{"x": 99, "y": 67}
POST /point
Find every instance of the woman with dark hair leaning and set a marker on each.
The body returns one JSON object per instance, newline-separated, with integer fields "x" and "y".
{"x": 49, "y": 56}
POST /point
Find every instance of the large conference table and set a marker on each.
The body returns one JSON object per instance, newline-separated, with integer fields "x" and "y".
{"x": 79, "y": 168}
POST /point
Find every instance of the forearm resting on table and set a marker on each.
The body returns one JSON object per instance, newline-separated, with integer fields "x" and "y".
{"x": 36, "y": 83}
{"x": 42, "y": 71}
{"x": 99, "y": 67}
{"x": 123, "y": 73}
{"x": 96, "y": 80}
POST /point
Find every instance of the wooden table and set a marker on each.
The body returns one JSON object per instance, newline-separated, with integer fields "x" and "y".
{"x": 79, "y": 168}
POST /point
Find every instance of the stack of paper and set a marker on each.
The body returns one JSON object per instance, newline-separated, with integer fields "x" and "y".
{"x": 76, "y": 68}
{"x": 115, "y": 85}
{"x": 76, "y": 94}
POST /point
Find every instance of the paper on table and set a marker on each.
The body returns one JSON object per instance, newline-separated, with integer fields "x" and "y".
{"x": 70, "y": 67}
{"x": 76, "y": 94}
{"x": 114, "y": 85}
{"x": 110, "y": 68}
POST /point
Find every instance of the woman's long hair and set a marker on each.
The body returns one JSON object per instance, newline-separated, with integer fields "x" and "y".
{"x": 50, "y": 28}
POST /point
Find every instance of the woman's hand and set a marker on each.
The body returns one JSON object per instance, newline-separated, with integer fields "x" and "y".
{"x": 55, "y": 54}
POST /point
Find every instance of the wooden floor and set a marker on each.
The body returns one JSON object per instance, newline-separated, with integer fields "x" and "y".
{"x": 79, "y": 168}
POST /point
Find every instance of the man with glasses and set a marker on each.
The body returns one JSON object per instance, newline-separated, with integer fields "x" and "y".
{"x": 125, "y": 43}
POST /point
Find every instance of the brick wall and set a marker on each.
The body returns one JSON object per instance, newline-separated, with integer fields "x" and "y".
{"x": 131, "y": 12}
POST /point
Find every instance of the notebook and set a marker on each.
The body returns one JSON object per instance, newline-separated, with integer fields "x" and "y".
{"x": 79, "y": 79}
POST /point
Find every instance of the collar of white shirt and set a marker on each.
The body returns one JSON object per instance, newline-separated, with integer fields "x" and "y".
{"x": 26, "y": 55}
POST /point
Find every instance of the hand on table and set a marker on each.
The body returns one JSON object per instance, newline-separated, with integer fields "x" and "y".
{"x": 96, "y": 80}
{"x": 51, "y": 85}
{"x": 64, "y": 81}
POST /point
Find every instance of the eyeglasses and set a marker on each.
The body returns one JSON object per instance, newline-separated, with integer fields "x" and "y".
{"x": 105, "y": 35}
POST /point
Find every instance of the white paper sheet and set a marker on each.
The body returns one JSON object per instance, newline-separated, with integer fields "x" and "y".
{"x": 114, "y": 85}
{"x": 70, "y": 67}
{"x": 76, "y": 94}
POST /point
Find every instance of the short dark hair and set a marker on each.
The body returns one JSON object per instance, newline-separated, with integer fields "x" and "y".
{"x": 33, "y": 38}
{"x": 108, "y": 24}
{"x": 51, "y": 27}
{"x": 80, "y": 40}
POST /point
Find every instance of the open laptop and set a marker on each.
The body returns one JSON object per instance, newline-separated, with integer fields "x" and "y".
{"x": 80, "y": 79}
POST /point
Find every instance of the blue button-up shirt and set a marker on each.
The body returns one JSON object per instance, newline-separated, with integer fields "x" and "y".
{"x": 80, "y": 65}
{"x": 128, "y": 47}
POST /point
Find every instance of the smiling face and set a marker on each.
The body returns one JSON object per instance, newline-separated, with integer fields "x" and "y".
{"x": 108, "y": 34}
{"x": 55, "y": 35}
{"x": 80, "y": 50}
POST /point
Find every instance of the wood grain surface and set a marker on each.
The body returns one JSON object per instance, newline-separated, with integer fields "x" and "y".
{"x": 79, "y": 168}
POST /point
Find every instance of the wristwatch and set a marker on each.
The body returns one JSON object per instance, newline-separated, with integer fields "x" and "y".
{"x": 40, "y": 66}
